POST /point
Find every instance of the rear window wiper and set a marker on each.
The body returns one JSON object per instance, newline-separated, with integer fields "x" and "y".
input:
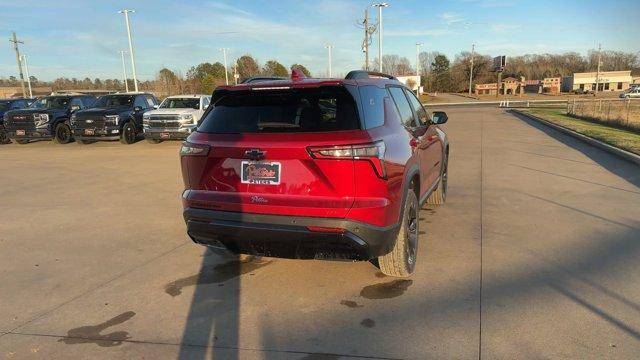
{"x": 277, "y": 125}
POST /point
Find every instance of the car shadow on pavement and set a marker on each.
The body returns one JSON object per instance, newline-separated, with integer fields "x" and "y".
{"x": 214, "y": 314}
{"x": 623, "y": 168}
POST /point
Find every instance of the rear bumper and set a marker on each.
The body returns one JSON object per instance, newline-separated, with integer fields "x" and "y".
{"x": 288, "y": 236}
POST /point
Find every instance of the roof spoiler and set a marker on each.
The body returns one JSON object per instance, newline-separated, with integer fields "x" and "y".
{"x": 365, "y": 74}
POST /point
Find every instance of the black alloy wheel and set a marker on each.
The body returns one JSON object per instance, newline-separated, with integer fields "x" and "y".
{"x": 128, "y": 135}
{"x": 62, "y": 133}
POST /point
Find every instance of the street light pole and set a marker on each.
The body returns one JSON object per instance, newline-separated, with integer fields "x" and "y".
{"x": 329, "y": 47}
{"x": 26, "y": 70}
{"x": 380, "y": 6}
{"x": 226, "y": 73}
{"x": 418, "y": 58}
{"x": 473, "y": 49}
{"x": 124, "y": 72}
{"x": 598, "y": 71}
{"x": 133, "y": 61}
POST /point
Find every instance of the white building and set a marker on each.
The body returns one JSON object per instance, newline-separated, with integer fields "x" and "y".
{"x": 607, "y": 81}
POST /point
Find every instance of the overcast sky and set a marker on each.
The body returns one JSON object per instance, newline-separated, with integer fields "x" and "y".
{"x": 82, "y": 38}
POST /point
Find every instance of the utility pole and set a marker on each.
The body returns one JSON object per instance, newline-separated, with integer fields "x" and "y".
{"x": 15, "y": 47}
{"x": 124, "y": 72}
{"x": 418, "y": 58}
{"x": 473, "y": 49}
{"x": 133, "y": 61}
{"x": 329, "y": 46}
{"x": 26, "y": 70}
{"x": 226, "y": 73}
{"x": 365, "y": 44}
{"x": 598, "y": 71}
{"x": 380, "y": 6}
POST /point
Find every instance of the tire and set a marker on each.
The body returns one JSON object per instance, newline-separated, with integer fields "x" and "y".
{"x": 62, "y": 134}
{"x": 401, "y": 261}
{"x": 439, "y": 195}
{"x": 22, "y": 142}
{"x": 128, "y": 135}
{"x": 4, "y": 139}
{"x": 154, "y": 141}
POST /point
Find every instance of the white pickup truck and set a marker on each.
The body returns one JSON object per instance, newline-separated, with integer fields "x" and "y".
{"x": 176, "y": 117}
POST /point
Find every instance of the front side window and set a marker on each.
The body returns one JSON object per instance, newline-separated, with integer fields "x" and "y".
{"x": 280, "y": 111}
{"x": 423, "y": 117}
{"x": 151, "y": 102}
{"x": 140, "y": 102}
{"x": 205, "y": 102}
{"x": 180, "y": 103}
{"x": 406, "y": 114}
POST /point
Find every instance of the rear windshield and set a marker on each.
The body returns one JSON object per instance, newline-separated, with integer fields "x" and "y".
{"x": 276, "y": 111}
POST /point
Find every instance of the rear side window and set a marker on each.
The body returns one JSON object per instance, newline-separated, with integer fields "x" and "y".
{"x": 372, "y": 98}
{"x": 406, "y": 114}
{"x": 279, "y": 111}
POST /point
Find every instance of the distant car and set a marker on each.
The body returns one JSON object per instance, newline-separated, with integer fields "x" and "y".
{"x": 46, "y": 118}
{"x": 633, "y": 92}
{"x": 176, "y": 118}
{"x": 113, "y": 117}
{"x": 10, "y": 104}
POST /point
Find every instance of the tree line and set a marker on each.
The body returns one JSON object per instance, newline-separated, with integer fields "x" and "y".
{"x": 441, "y": 74}
{"x": 438, "y": 72}
{"x": 202, "y": 78}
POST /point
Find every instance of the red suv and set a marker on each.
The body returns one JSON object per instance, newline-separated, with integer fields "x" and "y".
{"x": 315, "y": 169}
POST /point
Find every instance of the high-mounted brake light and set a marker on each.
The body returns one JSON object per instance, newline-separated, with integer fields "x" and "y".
{"x": 297, "y": 75}
{"x": 372, "y": 152}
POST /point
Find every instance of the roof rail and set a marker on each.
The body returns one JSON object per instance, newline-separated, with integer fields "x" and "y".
{"x": 256, "y": 79}
{"x": 365, "y": 74}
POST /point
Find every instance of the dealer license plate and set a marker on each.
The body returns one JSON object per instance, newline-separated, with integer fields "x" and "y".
{"x": 256, "y": 172}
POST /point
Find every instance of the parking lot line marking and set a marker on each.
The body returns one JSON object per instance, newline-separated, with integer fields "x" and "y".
{"x": 574, "y": 178}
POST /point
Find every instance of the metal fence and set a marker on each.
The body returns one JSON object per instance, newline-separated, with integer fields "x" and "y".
{"x": 622, "y": 112}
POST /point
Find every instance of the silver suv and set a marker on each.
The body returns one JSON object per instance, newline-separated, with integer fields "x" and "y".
{"x": 633, "y": 92}
{"x": 176, "y": 117}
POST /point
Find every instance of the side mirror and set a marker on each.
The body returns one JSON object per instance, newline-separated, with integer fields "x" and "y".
{"x": 137, "y": 109}
{"x": 156, "y": 106}
{"x": 439, "y": 117}
{"x": 75, "y": 108}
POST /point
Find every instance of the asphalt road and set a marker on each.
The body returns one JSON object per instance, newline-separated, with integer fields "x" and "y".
{"x": 535, "y": 255}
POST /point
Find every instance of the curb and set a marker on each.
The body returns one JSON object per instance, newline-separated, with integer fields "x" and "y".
{"x": 629, "y": 156}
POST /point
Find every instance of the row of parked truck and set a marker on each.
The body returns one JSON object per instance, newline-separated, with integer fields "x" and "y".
{"x": 86, "y": 119}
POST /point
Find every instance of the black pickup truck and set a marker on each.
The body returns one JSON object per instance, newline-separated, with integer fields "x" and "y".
{"x": 8, "y": 105}
{"x": 47, "y": 118}
{"x": 113, "y": 117}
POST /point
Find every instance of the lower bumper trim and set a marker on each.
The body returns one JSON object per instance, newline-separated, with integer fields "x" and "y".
{"x": 288, "y": 236}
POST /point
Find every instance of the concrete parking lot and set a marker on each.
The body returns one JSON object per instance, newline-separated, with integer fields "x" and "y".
{"x": 535, "y": 255}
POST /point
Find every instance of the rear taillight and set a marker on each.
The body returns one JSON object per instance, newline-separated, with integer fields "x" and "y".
{"x": 372, "y": 152}
{"x": 189, "y": 149}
